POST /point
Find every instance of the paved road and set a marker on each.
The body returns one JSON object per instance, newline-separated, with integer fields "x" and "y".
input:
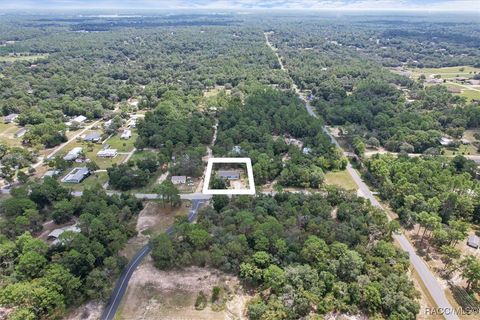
{"x": 431, "y": 283}
{"x": 122, "y": 282}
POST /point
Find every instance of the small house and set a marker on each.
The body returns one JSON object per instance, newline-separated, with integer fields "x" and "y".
{"x": 473, "y": 241}
{"x": 179, "y": 179}
{"x": 107, "y": 153}
{"x": 73, "y": 154}
{"x": 126, "y": 134}
{"x": 93, "y": 137}
{"x": 132, "y": 123}
{"x": 79, "y": 119}
{"x": 51, "y": 173}
{"x": 55, "y": 234}
{"x": 10, "y": 118}
{"x": 229, "y": 174}
{"x": 107, "y": 124}
{"x": 76, "y": 175}
{"x": 444, "y": 141}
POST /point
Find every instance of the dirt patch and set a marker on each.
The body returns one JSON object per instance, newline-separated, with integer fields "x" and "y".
{"x": 88, "y": 311}
{"x": 152, "y": 220}
{"x": 154, "y": 294}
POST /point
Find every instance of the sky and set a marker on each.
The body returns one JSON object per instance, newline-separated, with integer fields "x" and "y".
{"x": 366, "y": 5}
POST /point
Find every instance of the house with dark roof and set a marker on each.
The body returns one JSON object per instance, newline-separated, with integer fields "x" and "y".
{"x": 179, "y": 179}
{"x": 229, "y": 174}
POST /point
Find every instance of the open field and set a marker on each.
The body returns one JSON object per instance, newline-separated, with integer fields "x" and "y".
{"x": 122, "y": 145}
{"x": 463, "y": 149}
{"x": 31, "y": 58}
{"x": 445, "y": 73}
{"x": 152, "y": 220}
{"x": 91, "y": 153}
{"x": 469, "y": 94}
{"x": 7, "y": 134}
{"x": 154, "y": 294}
{"x": 341, "y": 179}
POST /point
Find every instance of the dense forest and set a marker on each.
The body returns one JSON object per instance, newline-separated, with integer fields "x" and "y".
{"x": 302, "y": 254}
{"x": 435, "y": 185}
{"x": 344, "y": 69}
{"x": 262, "y": 128}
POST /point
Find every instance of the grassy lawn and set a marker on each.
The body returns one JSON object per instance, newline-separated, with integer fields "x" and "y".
{"x": 462, "y": 149}
{"x": 91, "y": 154}
{"x": 445, "y": 73}
{"x": 31, "y": 58}
{"x": 469, "y": 94}
{"x": 341, "y": 179}
{"x": 7, "y": 132}
{"x": 468, "y": 134}
{"x": 140, "y": 154}
{"x": 122, "y": 145}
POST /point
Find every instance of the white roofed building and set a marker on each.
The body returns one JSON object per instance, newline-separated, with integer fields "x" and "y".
{"x": 73, "y": 154}
{"x": 126, "y": 134}
{"x": 107, "y": 153}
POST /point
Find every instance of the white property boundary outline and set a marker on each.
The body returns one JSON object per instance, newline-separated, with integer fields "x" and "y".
{"x": 247, "y": 161}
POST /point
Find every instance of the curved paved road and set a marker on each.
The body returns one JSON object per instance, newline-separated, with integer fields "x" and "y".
{"x": 122, "y": 282}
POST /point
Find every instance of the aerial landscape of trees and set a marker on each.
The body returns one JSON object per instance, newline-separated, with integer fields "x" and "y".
{"x": 320, "y": 251}
{"x": 41, "y": 281}
{"x": 260, "y": 128}
{"x": 300, "y": 259}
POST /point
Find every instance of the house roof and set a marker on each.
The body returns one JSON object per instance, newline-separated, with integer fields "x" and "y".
{"x": 51, "y": 173}
{"x": 76, "y": 175}
{"x": 126, "y": 133}
{"x": 107, "y": 153}
{"x": 92, "y": 136}
{"x": 79, "y": 119}
{"x": 73, "y": 154}
{"x": 11, "y": 117}
{"x": 228, "y": 173}
{"x": 182, "y": 179}
{"x": 57, "y": 232}
{"x": 473, "y": 240}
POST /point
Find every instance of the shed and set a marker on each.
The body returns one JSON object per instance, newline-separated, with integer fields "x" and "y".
{"x": 473, "y": 241}
{"x": 179, "y": 179}
{"x": 229, "y": 174}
